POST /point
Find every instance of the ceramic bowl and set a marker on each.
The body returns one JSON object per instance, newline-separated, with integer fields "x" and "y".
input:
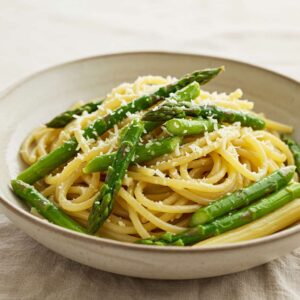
{"x": 37, "y": 98}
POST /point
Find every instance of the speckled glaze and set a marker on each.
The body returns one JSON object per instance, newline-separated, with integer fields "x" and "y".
{"x": 37, "y": 98}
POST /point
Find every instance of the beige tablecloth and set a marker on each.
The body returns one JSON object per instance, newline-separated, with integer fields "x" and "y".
{"x": 35, "y": 34}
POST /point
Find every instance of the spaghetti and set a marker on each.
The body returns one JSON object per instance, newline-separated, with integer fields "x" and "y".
{"x": 160, "y": 195}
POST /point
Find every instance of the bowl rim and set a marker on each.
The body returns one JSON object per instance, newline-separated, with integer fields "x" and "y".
{"x": 27, "y": 216}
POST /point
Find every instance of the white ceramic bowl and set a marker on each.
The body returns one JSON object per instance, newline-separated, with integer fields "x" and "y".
{"x": 41, "y": 96}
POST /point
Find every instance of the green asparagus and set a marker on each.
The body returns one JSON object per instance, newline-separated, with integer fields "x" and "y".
{"x": 103, "y": 204}
{"x": 44, "y": 206}
{"x": 243, "y": 197}
{"x": 230, "y": 221}
{"x": 295, "y": 149}
{"x": 66, "y": 117}
{"x": 184, "y": 127}
{"x": 170, "y": 110}
{"x": 143, "y": 153}
{"x": 68, "y": 150}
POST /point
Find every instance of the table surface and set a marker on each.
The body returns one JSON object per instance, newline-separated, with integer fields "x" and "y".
{"x": 37, "y": 34}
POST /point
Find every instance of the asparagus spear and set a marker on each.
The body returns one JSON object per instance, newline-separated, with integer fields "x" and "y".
{"x": 44, "y": 206}
{"x": 243, "y": 197}
{"x": 230, "y": 221}
{"x": 143, "y": 153}
{"x": 295, "y": 149}
{"x": 66, "y": 117}
{"x": 183, "y": 127}
{"x": 68, "y": 150}
{"x": 103, "y": 204}
{"x": 170, "y": 110}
